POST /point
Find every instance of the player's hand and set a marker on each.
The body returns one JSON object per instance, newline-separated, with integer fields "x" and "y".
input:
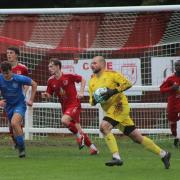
{"x": 2, "y": 103}
{"x": 175, "y": 87}
{"x": 109, "y": 93}
{"x": 29, "y": 103}
{"x": 44, "y": 95}
{"x": 80, "y": 95}
{"x": 94, "y": 102}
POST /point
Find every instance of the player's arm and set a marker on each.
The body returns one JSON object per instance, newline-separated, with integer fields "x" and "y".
{"x": 80, "y": 94}
{"x": 49, "y": 91}
{"x": 45, "y": 95}
{"x": 33, "y": 93}
{"x": 2, "y": 103}
{"x": 25, "y": 89}
{"x": 24, "y": 80}
{"x": 167, "y": 86}
{"x": 122, "y": 84}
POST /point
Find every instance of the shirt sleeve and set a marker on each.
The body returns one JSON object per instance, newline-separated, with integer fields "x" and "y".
{"x": 122, "y": 82}
{"x": 49, "y": 88}
{"x": 24, "y": 80}
{"x": 166, "y": 86}
{"x": 75, "y": 78}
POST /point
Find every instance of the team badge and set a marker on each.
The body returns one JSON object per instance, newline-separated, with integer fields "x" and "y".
{"x": 14, "y": 85}
{"x": 65, "y": 82}
{"x": 130, "y": 71}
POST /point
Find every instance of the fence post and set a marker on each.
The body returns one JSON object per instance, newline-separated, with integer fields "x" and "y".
{"x": 101, "y": 115}
{"x": 28, "y": 118}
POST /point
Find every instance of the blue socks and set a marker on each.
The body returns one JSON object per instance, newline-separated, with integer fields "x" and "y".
{"x": 20, "y": 142}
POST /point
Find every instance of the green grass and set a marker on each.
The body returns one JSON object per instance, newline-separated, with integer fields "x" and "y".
{"x": 65, "y": 162}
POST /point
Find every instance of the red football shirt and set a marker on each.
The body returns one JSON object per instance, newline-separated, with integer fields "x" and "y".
{"x": 173, "y": 96}
{"x": 20, "y": 69}
{"x": 65, "y": 89}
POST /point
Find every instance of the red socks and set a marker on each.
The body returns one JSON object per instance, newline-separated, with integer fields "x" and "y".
{"x": 72, "y": 128}
{"x": 87, "y": 140}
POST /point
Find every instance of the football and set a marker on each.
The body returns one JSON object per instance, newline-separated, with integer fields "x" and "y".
{"x": 98, "y": 94}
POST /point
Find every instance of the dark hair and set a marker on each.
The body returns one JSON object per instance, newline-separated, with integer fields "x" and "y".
{"x": 15, "y": 49}
{"x": 6, "y": 66}
{"x": 56, "y": 62}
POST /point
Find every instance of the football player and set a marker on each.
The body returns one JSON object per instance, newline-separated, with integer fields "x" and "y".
{"x": 117, "y": 111}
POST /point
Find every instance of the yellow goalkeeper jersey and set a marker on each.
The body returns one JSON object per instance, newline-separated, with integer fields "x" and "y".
{"x": 112, "y": 80}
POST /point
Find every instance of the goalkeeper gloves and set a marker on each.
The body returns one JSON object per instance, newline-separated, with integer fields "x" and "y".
{"x": 94, "y": 102}
{"x": 109, "y": 93}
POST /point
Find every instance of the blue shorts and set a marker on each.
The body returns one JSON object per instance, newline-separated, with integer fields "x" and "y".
{"x": 19, "y": 108}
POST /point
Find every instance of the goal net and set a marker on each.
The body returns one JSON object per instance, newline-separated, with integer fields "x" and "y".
{"x": 142, "y": 43}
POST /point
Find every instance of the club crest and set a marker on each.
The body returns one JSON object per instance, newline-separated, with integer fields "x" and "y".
{"x": 65, "y": 82}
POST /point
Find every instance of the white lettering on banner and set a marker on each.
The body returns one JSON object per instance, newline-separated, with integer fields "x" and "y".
{"x": 162, "y": 67}
{"x": 86, "y": 66}
{"x": 109, "y": 65}
{"x": 131, "y": 68}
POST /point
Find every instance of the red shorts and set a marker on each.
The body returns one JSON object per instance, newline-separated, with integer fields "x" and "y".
{"x": 173, "y": 116}
{"x": 74, "y": 113}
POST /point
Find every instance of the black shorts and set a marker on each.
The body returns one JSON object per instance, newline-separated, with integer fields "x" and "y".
{"x": 127, "y": 129}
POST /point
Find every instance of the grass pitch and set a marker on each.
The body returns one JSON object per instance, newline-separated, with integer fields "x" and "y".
{"x": 61, "y": 160}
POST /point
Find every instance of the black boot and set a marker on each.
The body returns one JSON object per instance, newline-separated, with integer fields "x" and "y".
{"x": 176, "y": 142}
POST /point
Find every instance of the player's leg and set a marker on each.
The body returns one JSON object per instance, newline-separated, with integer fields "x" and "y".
{"x": 128, "y": 128}
{"x": 15, "y": 146}
{"x": 18, "y": 133}
{"x": 70, "y": 124}
{"x": 69, "y": 119}
{"x": 173, "y": 127}
{"x": 173, "y": 118}
{"x": 137, "y": 137}
{"x": 16, "y": 123}
{"x": 67, "y": 122}
{"x": 15, "y": 115}
{"x": 87, "y": 141}
{"x": 105, "y": 127}
{"x": 178, "y": 131}
{"x": 4, "y": 115}
{"x": 84, "y": 137}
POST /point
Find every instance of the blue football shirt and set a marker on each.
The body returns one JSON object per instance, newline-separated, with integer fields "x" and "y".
{"x": 12, "y": 90}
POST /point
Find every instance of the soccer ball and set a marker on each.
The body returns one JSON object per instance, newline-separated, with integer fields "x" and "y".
{"x": 98, "y": 94}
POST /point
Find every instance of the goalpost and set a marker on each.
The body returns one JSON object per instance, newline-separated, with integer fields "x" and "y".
{"x": 141, "y": 42}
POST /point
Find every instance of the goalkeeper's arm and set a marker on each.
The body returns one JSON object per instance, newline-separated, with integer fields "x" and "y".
{"x": 109, "y": 93}
{"x": 122, "y": 82}
{"x": 94, "y": 102}
{"x": 121, "y": 88}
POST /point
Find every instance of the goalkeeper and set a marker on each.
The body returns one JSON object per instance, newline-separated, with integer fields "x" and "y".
{"x": 117, "y": 111}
